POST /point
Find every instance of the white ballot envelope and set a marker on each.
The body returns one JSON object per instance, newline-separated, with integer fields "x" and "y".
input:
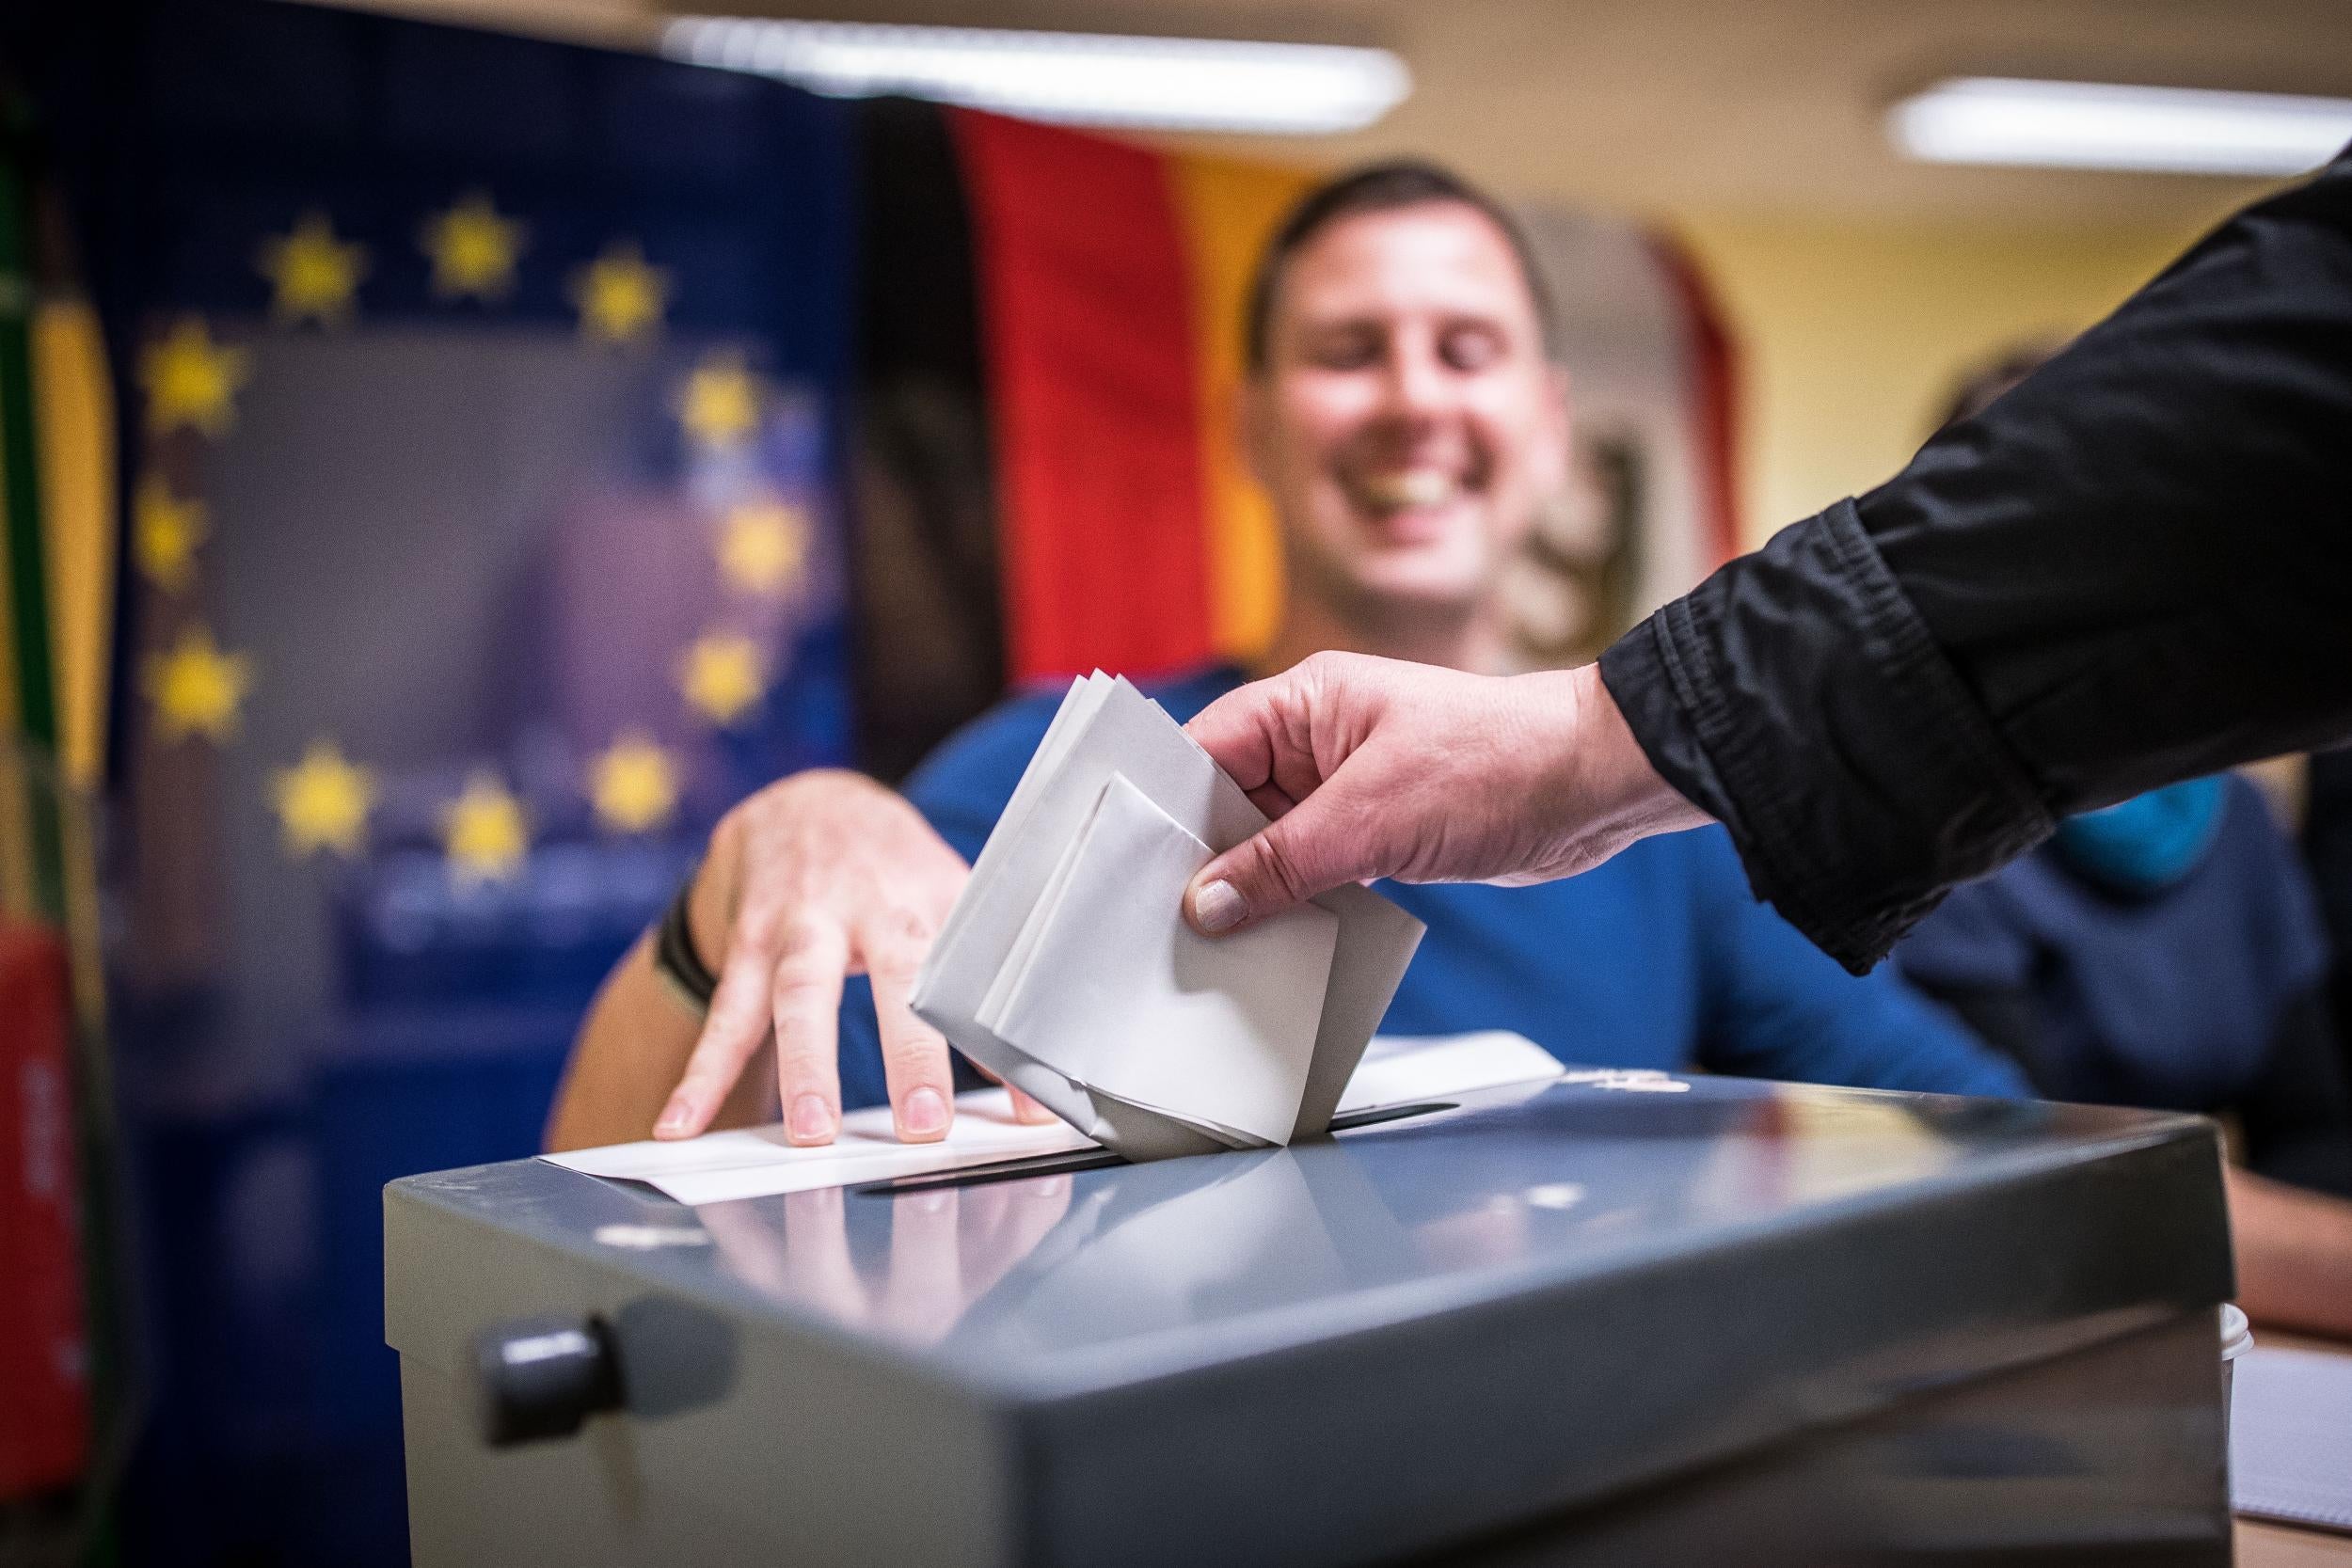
{"x": 1067, "y": 970}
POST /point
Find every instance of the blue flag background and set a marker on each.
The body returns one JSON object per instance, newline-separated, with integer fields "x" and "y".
{"x": 481, "y": 401}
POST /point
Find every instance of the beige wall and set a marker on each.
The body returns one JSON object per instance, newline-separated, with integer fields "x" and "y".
{"x": 1852, "y": 334}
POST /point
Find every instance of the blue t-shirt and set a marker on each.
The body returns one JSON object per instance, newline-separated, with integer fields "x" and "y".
{"x": 1660, "y": 957}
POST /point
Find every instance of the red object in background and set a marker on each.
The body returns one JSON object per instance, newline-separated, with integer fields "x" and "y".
{"x": 1714, "y": 369}
{"x": 1088, "y": 332}
{"x": 44, "y": 1390}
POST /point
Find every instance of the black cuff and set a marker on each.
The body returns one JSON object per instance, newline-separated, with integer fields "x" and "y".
{"x": 673, "y": 955}
{"x": 1797, "y": 697}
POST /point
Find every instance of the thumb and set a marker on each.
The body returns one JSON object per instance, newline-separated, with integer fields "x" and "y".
{"x": 1284, "y": 864}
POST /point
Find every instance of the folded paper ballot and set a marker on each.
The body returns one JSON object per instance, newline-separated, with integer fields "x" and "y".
{"x": 756, "y": 1162}
{"x": 1067, "y": 969}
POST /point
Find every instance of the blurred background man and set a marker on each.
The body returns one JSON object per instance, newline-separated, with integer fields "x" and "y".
{"x": 1405, "y": 416}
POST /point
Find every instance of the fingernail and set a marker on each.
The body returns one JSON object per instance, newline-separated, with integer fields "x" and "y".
{"x": 924, "y": 1113}
{"x": 811, "y": 1121}
{"x": 675, "y": 1116}
{"x": 1215, "y": 907}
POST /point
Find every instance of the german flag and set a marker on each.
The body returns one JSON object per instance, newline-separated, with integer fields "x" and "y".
{"x": 1050, "y": 346}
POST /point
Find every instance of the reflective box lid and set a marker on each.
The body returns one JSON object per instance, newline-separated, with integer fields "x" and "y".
{"x": 1624, "y": 1280}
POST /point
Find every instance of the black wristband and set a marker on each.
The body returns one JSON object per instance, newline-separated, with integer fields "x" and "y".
{"x": 673, "y": 955}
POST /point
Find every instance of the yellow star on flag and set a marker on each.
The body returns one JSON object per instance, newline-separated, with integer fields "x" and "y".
{"x": 322, "y": 801}
{"x": 191, "y": 381}
{"x": 197, "y": 689}
{"x": 721, "y": 677}
{"x": 484, "y": 832}
{"x": 634, "y": 784}
{"x": 316, "y": 275}
{"x": 762, "y": 546}
{"x": 165, "y": 532}
{"x": 473, "y": 250}
{"x": 620, "y": 298}
{"x": 721, "y": 404}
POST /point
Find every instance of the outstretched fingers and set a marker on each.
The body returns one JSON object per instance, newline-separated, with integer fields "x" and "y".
{"x": 732, "y": 1032}
{"x": 914, "y": 1056}
{"x": 805, "y": 1004}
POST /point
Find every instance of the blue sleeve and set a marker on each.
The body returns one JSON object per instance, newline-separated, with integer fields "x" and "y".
{"x": 960, "y": 789}
{"x": 1774, "y": 1005}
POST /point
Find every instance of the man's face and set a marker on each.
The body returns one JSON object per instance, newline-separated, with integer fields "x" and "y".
{"x": 1406, "y": 423}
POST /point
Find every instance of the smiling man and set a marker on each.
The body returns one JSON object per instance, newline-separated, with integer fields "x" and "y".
{"x": 1404, "y": 414}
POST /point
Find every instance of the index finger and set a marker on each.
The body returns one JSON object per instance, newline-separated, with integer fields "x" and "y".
{"x": 732, "y": 1032}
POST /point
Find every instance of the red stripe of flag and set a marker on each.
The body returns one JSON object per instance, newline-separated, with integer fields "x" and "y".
{"x": 1087, "y": 326}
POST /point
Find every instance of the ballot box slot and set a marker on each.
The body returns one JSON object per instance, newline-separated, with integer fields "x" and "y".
{"x": 980, "y": 1176}
{"x": 1097, "y": 1159}
{"x": 1349, "y": 1121}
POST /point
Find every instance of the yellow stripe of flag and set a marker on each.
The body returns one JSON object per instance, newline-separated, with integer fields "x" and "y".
{"x": 1229, "y": 206}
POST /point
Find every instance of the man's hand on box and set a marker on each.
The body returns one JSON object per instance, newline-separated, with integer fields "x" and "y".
{"x": 819, "y": 877}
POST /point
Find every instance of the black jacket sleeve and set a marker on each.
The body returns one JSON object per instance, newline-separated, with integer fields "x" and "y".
{"x": 2134, "y": 567}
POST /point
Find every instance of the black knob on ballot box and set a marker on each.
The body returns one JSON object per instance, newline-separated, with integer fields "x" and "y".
{"x": 541, "y": 1377}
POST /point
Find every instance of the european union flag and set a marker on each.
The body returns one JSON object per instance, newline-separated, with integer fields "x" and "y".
{"x": 481, "y": 406}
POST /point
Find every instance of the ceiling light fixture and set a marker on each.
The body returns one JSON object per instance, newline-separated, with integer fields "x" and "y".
{"x": 1070, "y": 78}
{"x": 2001, "y": 119}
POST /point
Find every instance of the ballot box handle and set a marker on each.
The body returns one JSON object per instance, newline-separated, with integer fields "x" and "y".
{"x": 538, "y": 1378}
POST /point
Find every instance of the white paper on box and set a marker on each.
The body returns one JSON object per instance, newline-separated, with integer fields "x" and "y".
{"x": 756, "y": 1162}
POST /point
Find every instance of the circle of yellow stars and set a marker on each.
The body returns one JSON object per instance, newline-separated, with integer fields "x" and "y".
{"x": 197, "y": 689}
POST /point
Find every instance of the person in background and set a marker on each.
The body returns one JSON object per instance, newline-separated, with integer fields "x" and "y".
{"x": 1402, "y": 411}
{"x": 2167, "y": 952}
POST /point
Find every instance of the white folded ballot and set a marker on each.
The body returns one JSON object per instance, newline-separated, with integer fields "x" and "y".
{"x": 1067, "y": 969}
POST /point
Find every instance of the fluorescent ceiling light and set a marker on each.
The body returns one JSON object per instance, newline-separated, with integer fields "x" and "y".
{"x": 1998, "y": 119}
{"x": 1073, "y": 78}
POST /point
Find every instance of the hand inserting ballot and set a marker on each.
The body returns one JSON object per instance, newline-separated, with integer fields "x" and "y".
{"x": 1378, "y": 767}
{"x": 822, "y": 876}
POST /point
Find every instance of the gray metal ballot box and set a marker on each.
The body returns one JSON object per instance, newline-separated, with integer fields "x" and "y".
{"x": 1739, "y": 1322}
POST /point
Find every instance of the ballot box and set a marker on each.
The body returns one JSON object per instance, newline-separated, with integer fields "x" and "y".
{"x": 1602, "y": 1320}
